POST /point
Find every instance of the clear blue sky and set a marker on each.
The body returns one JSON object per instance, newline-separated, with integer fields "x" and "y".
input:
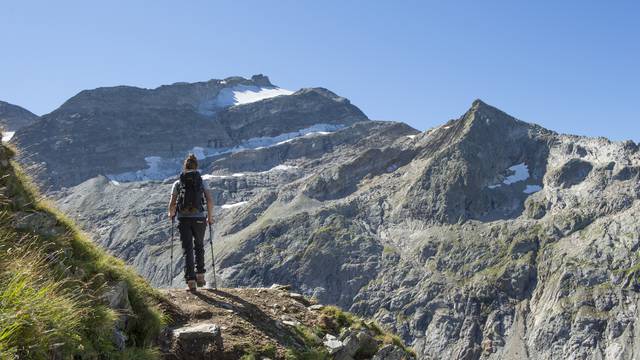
{"x": 571, "y": 66}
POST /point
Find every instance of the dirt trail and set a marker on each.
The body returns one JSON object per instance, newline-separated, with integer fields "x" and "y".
{"x": 262, "y": 320}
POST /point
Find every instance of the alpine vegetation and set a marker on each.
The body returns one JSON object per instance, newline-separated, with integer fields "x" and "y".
{"x": 60, "y": 295}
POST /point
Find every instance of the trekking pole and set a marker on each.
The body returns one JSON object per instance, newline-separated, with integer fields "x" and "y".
{"x": 213, "y": 261}
{"x": 173, "y": 220}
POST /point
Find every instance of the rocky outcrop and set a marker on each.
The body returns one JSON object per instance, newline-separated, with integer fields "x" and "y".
{"x": 197, "y": 341}
{"x": 268, "y": 323}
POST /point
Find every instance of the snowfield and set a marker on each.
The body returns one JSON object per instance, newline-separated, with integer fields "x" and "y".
{"x": 519, "y": 172}
{"x": 159, "y": 168}
{"x": 231, "y": 206}
{"x": 239, "y": 95}
{"x": 7, "y": 135}
{"x": 246, "y": 94}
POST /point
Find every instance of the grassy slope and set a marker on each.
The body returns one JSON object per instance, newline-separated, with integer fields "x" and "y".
{"x": 334, "y": 321}
{"x": 51, "y": 284}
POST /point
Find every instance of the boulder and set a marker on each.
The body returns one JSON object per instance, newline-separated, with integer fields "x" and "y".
{"x": 350, "y": 346}
{"x": 39, "y": 222}
{"x": 299, "y": 298}
{"x": 332, "y": 344}
{"x": 391, "y": 352}
{"x": 198, "y": 341}
{"x": 280, "y": 287}
{"x": 117, "y": 298}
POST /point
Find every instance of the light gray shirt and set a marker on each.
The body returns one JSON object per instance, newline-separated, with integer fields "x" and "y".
{"x": 203, "y": 214}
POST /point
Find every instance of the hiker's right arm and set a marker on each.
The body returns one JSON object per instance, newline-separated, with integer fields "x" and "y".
{"x": 172, "y": 206}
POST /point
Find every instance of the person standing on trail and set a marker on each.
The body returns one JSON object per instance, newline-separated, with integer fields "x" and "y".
{"x": 188, "y": 196}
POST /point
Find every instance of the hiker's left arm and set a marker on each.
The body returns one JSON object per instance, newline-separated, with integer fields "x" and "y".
{"x": 172, "y": 206}
{"x": 207, "y": 194}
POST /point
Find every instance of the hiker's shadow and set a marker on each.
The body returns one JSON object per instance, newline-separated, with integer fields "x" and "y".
{"x": 247, "y": 311}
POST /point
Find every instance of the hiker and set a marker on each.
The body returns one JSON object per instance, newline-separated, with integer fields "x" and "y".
{"x": 187, "y": 202}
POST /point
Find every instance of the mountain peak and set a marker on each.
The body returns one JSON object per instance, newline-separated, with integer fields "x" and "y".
{"x": 478, "y": 103}
{"x": 261, "y": 80}
{"x": 482, "y": 115}
{"x": 481, "y": 109}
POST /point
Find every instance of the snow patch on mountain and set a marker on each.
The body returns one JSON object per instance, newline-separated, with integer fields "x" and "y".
{"x": 231, "y": 206}
{"x": 246, "y": 94}
{"x": 281, "y": 167}
{"x": 7, "y": 135}
{"x": 519, "y": 172}
{"x": 159, "y": 168}
{"x": 239, "y": 95}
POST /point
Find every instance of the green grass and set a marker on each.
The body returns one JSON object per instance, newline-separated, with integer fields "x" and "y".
{"x": 343, "y": 319}
{"x": 50, "y": 285}
{"x": 334, "y": 320}
{"x": 312, "y": 354}
{"x": 254, "y": 353}
{"x": 310, "y": 337}
{"x": 38, "y": 312}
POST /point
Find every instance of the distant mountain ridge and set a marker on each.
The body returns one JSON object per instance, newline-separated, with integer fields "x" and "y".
{"x": 180, "y": 94}
{"x": 113, "y": 130}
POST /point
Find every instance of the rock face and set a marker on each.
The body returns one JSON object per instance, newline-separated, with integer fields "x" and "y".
{"x": 123, "y": 129}
{"x": 484, "y": 238}
{"x": 14, "y": 117}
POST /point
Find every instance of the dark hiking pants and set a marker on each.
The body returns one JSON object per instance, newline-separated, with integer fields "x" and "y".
{"x": 192, "y": 232}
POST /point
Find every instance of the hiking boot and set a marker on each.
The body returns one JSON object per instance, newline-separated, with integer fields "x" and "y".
{"x": 200, "y": 280}
{"x": 191, "y": 285}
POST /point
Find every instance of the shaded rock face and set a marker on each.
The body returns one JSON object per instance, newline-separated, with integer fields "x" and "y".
{"x": 572, "y": 173}
{"x": 115, "y": 130}
{"x": 14, "y": 117}
{"x": 483, "y": 238}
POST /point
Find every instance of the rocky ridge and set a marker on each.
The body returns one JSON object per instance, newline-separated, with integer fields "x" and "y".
{"x": 124, "y": 129}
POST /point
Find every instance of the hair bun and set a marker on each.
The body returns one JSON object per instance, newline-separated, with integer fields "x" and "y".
{"x": 191, "y": 162}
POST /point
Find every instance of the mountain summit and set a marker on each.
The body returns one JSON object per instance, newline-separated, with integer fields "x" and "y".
{"x": 122, "y": 130}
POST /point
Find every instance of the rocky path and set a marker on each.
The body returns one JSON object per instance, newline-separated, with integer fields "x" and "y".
{"x": 265, "y": 323}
